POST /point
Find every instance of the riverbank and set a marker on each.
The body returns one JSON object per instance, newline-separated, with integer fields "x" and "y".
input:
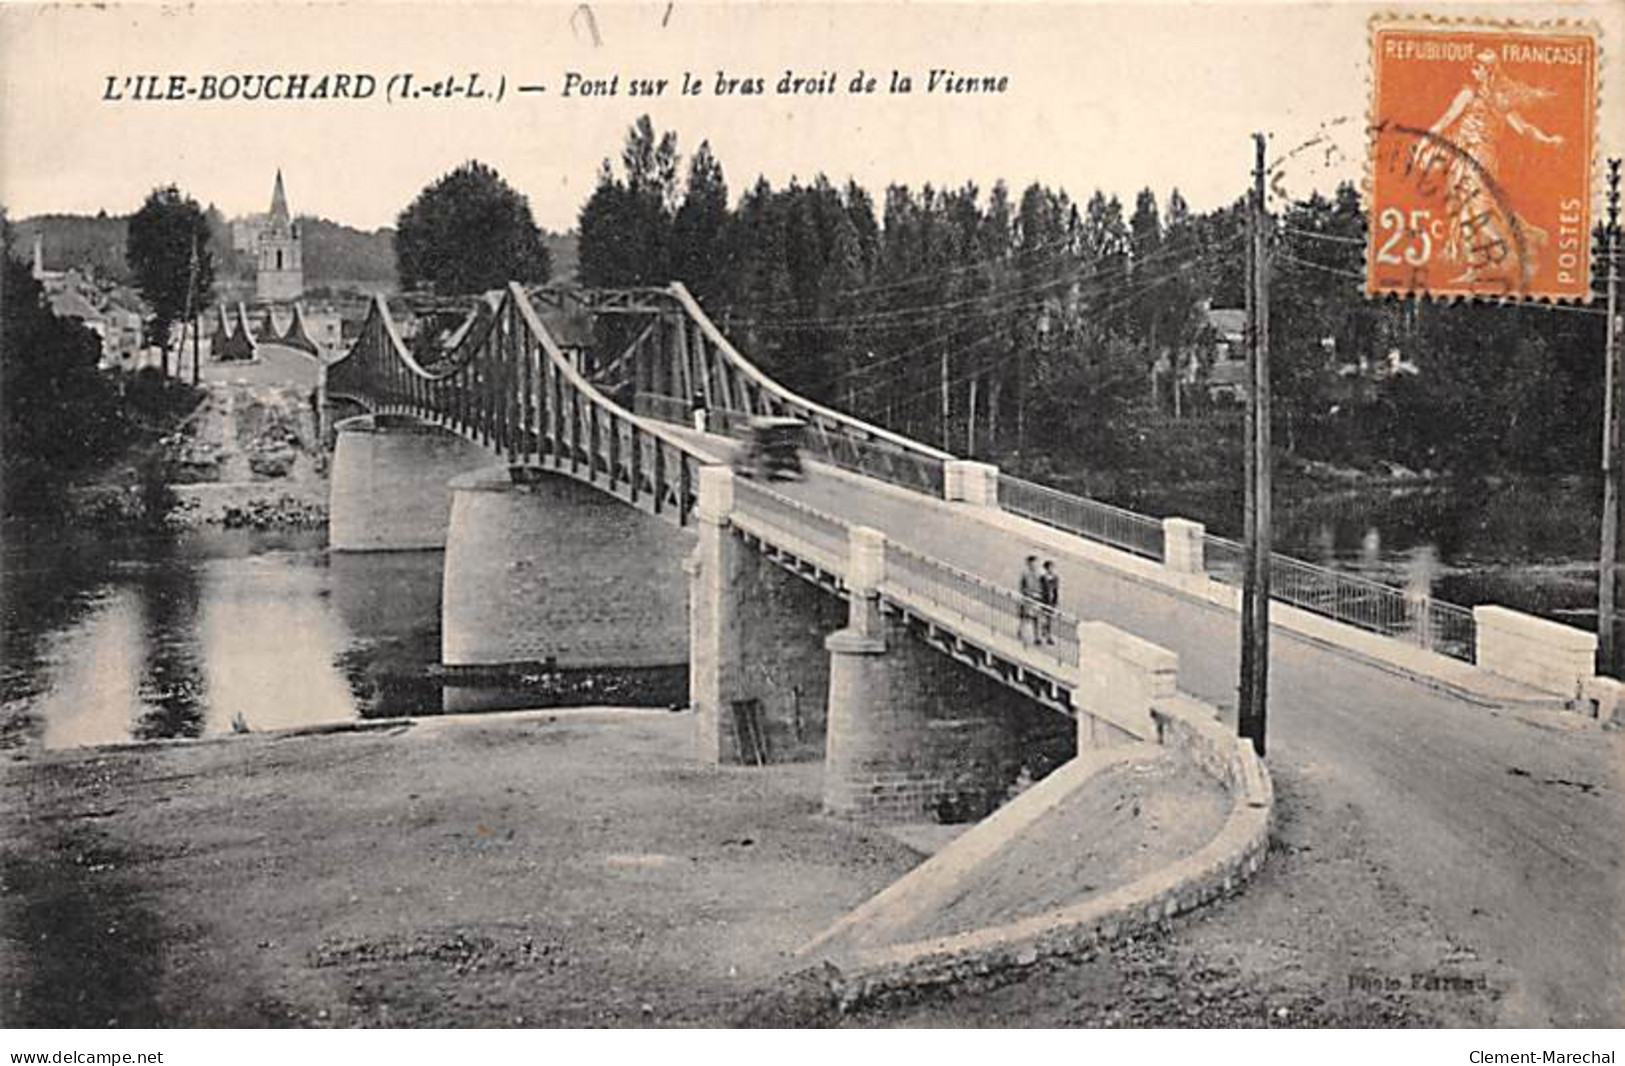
{"x": 247, "y": 456}
{"x": 569, "y": 869}
{"x": 578, "y": 868}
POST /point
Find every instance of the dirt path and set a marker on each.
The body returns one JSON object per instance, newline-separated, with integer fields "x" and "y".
{"x": 579, "y": 871}
{"x": 584, "y": 871}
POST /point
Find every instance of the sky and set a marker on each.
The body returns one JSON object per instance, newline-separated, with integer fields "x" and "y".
{"x": 1110, "y": 96}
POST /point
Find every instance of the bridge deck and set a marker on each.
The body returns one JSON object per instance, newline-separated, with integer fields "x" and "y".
{"x": 276, "y": 364}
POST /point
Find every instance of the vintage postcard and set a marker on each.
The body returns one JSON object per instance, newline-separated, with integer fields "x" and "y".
{"x": 708, "y": 514}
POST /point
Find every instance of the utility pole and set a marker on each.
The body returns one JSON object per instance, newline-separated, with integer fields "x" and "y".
{"x": 1255, "y": 599}
{"x": 947, "y": 427}
{"x": 1608, "y": 643}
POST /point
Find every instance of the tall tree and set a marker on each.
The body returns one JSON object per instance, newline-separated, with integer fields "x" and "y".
{"x": 1145, "y": 241}
{"x": 469, "y": 232}
{"x": 993, "y": 252}
{"x": 169, "y": 255}
{"x": 698, "y": 250}
{"x": 650, "y": 161}
{"x": 626, "y": 225}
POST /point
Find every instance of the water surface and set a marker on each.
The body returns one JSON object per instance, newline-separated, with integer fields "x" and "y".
{"x": 110, "y": 639}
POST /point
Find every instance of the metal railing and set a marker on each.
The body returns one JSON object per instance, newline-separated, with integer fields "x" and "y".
{"x": 664, "y": 408}
{"x": 1353, "y": 600}
{"x": 876, "y": 458}
{"x": 1357, "y": 601}
{"x": 819, "y": 537}
{"x": 680, "y": 413}
{"x": 836, "y": 446}
{"x": 1132, "y": 532}
{"x": 512, "y": 389}
{"x": 941, "y": 591}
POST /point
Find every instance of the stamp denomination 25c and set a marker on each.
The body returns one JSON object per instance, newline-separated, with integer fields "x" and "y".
{"x": 1481, "y": 160}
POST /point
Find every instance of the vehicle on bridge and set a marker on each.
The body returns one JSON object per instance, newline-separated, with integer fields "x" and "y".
{"x": 771, "y": 448}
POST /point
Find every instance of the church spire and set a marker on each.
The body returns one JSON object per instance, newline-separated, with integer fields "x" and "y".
{"x": 279, "y": 201}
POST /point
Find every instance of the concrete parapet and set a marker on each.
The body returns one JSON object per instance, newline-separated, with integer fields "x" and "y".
{"x": 550, "y": 571}
{"x": 716, "y": 495}
{"x": 1182, "y": 542}
{"x": 1603, "y": 698}
{"x": 1541, "y": 653}
{"x": 967, "y": 481}
{"x": 388, "y": 489}
{"x": 1120, "y": 678}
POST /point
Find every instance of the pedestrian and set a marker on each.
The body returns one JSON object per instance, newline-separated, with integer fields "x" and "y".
{"x": 1032, "y": 599}
{"x": 1049, "y": 587}
{"x": 700, "y": 414}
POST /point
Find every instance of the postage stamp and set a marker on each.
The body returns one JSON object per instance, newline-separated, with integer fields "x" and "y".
{"x": 1481, "y": 140}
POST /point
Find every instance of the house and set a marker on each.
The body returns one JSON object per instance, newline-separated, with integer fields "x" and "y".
{"x": 113, "y": 313}
{"x": 1227, "y": 352}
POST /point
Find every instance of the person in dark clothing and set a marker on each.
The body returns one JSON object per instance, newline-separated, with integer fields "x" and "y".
{"x": 1049, "y": 593}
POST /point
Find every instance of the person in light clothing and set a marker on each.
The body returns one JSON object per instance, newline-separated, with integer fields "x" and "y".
{"x": 1032, "y": 602}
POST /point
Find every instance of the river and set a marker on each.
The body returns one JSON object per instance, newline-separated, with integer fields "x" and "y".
{"x": 1531, "y": 544}
{"x": 108, "y": 639}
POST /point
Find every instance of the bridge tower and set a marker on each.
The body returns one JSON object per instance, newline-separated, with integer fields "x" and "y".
{"x": 279, "y": 266}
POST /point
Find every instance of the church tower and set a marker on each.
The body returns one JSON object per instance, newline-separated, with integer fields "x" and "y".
{"x": 280, "y": 272}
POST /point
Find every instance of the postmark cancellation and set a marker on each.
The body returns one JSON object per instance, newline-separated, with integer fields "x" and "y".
{"x": 1481, "y": 159}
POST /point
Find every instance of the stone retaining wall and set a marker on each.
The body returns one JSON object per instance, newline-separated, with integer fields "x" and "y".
{"x": 1218, "y": 869}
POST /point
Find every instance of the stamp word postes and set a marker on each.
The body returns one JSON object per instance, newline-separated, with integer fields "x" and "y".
{"x": 1481, "y": 142}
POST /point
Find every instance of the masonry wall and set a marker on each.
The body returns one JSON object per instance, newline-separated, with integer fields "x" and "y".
{"x": 554, "y": 572}
{"x": 388, "y": 488}
{"x": 783, "y": 666}
{"x": 915, "y": 736}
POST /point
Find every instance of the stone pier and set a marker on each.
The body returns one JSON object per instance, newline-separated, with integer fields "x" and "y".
{"x": 541, "y": 569}
{"x": 913, "y": 735}
{"x": 389, "y": 488}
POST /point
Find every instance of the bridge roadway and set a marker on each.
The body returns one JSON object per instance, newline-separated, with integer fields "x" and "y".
{"x": 276, "y": 364}
{"x": 1506, "y": 827}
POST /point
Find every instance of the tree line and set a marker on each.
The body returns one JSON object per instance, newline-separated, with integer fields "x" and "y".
{"x": 1038, "y": 330}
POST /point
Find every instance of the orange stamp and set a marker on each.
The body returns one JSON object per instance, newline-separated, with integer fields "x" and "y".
{"x": 1481, "y": 142}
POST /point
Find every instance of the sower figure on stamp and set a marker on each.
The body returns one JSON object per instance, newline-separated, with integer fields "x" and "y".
{"x": 1049, "y": 590}
{"x": 1475, "y": 123}
{"x": 1032, "y": 600}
